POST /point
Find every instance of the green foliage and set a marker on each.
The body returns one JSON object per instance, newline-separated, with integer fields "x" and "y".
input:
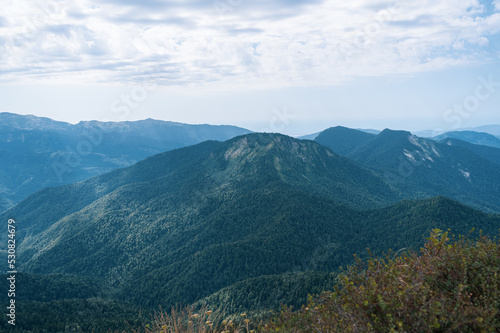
{"x": 452, "y": 286}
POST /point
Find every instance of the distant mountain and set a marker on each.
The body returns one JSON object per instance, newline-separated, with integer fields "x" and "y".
{"x": 371, "y": 131}
{"x": 490, "y": 129}
{"x": 39, "y": 152}
{"x": 421, "y": 167}
{"x": 183, "y": 225}
{"x": 315, "y": 135}
{"x": 309, "y": 137}
{"x": 427, "y": 133}
{"x": 343, "y": 140}
{"x": 478, "y": 138}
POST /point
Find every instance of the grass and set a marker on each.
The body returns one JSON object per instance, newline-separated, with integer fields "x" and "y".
{"x": 201, "y": 320}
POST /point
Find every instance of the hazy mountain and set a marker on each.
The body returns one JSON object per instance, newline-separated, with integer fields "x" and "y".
{"x": 368, "y": 130}
{"x": 478, "y": 138}
{"x": 491, "y": 129}
{"x": 315, "y": 135}
{"x": 183, "y": 225}
{"x": 39, "y": 152}
{"x": 309, "y": 136}
{"x": 343, "y": 140}
{"x": 427, "y": 133}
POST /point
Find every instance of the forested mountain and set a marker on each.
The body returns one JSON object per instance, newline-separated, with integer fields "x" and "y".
{"x": 478, "y": 138}
{"x": 183, "y": 225}
{"x": 39, "y": 152}
{"x": 421, "y": 168}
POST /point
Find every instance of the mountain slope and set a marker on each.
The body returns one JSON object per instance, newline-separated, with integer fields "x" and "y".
{"x": 39, "y": 152}
{"x": 477, "y": 138}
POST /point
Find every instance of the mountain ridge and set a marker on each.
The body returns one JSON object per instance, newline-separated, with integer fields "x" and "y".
{"x": 420, "y": 167}
{"x": 39, "y": 152}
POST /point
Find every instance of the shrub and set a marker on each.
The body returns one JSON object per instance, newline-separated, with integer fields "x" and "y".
{"x": 451, "y": 286}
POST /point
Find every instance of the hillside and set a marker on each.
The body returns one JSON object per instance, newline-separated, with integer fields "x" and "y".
{"x": 39, "y": 152}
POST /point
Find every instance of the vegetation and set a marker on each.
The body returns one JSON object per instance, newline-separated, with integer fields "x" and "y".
{"x": 452, "y": 286}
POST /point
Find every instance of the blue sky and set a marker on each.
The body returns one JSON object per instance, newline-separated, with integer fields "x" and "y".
{"x": 294, "y": 66}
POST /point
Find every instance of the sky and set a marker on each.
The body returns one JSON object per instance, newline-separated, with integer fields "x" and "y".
{"x": 289, "y": 66}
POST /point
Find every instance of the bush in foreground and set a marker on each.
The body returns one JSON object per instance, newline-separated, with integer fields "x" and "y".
{"x": 452, "y": 286}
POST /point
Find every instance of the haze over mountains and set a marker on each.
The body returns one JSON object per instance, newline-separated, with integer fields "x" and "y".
{"x": 40, "y": 152}
{"x": 247, "y": 223}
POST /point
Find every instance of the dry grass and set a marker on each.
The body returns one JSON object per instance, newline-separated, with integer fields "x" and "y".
{"x": 189, "y": 320}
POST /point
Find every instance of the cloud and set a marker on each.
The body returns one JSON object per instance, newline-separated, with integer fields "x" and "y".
{"x": 233, "y": 43}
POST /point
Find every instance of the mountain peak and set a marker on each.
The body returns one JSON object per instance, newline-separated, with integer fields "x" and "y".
{"x": 394, "y": 133}
{"x": 261, "y": 143}
{"x": 343, "y": 140}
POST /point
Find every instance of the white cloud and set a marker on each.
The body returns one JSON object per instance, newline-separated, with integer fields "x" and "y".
{"x": 247, "y": 43}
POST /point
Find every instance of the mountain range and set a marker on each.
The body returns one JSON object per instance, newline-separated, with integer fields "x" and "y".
{"x": 257, "y": 211}
{"x": 242, "y": 224}
{"x": 39, "y": 152}
{"x": 488, "y": 129}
